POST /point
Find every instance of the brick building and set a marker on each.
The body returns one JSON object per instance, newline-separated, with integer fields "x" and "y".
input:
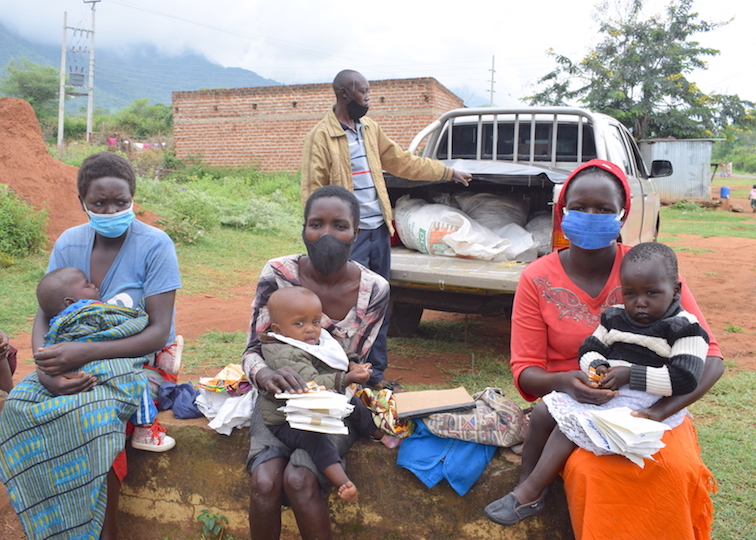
{"x": 266, "y": 126}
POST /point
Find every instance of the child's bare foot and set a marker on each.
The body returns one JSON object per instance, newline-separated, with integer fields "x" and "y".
{"x": 348, "y": 492}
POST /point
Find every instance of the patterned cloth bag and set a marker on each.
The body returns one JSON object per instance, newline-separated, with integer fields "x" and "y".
{"x": 385, "y": 417}
{"x": 495, "y": 420}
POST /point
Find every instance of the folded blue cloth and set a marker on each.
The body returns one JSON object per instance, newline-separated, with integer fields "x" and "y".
{"x": 432, "y": 458}
{"x": 180, "y": 398}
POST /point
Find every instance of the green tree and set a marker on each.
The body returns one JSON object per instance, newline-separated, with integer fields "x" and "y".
{"x": 37, "y": 84}
{"x": 638, "y": 72}
{"x": 143, "y": 120}
{"x": 739, "y": 145}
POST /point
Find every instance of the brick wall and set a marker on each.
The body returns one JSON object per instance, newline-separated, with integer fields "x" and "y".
{"x": 266, "y": 125}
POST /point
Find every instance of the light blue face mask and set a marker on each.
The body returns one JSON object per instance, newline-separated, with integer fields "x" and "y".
{"x": 591, "y": 231}
{"x": 112, "y": 225}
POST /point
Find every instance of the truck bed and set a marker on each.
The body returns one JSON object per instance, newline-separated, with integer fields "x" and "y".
{"x": 412, "y": 268}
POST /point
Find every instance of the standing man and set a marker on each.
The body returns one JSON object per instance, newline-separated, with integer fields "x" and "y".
{"x": 350, "y": 150}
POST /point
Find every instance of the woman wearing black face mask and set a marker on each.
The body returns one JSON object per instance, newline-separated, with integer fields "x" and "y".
{"x": 354, "y": 301}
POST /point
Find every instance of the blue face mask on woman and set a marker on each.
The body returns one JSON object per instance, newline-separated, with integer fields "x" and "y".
{"x": 112, "y": 225}
{"x": 591, "y": 231}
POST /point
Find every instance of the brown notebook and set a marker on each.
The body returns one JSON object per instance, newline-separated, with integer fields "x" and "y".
{"x": 425, "y": 402}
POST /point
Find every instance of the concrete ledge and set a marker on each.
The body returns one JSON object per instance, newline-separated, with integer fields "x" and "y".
{"x": 164, "y": 493}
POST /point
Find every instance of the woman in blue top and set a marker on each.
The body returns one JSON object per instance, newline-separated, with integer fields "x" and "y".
{"x": 133, "y": 264}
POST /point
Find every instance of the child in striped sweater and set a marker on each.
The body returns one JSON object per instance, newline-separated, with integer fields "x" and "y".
{"x": 647, "y": 348}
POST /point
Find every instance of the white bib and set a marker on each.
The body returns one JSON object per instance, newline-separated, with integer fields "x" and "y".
{"x": 327, "y": 350}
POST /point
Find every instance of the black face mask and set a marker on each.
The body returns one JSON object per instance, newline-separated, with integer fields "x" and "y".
{"x": 356, "y": 110}
{"x": 328, "y": 253}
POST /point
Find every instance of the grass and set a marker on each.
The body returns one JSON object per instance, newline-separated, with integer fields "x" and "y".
{"x": 229, "y": 258}
{"x": 681, "y": 249}
{"x": 739, "y": 185}
{"x": 18, "y": 301}
{"x": 733, "y": 329}
{"x": 726, "y": 431}
{"x": 214, "y": 348}
{"x": 704, "y": 222}
{"x": 479, "y": 365}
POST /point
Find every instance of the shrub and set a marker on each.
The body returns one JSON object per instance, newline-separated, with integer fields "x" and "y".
{"x": 689, "y": 206}
{"x": 172, "y": 163}
{"x": 192, "y": 215}
{"x": 74, "y": 153}
{"x": 148, "y": 163}
{"x": 22, "y": 227}
{"x": 263, "y": 215}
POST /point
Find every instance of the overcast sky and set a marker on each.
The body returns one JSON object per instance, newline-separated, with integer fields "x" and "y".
{"x": 309, "y": 41}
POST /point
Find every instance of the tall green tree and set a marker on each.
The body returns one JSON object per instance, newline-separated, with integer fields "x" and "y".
{"x": 638, "y": 73}
{"x": 36, "y": 83}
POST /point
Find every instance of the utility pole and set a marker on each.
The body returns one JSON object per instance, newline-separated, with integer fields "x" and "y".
{"x": 77, "y": 79}
{"x": 62, "y": 92}
{"x": 90, "y": 90}
{"x": 493, "y": 71}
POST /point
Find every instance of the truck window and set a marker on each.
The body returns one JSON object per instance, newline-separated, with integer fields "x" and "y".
{"x": 617, "y": 149}
{"x": 465, "y": 142}
{"x": 635, "y": 154}
{"x": 504, "y": 141}
{"x": 567, "y": 142}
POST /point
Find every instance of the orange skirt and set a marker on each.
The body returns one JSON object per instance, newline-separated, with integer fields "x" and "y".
{"x": 669, "y": 499}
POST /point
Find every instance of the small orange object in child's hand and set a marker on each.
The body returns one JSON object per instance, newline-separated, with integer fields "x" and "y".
{"x": 594, "y": 375}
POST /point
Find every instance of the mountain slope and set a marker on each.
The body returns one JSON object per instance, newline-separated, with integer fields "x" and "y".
{"x": 124, "y": 76}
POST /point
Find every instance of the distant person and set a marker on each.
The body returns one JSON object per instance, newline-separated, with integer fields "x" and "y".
{"x": 752, "y": 198}
{"x": 647, "y": 348}
{"x": 296, "y": 313}
{"x": 350, "y": 150}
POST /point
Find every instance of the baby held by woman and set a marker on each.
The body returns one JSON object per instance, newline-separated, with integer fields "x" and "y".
{"x": 296, "y": 340}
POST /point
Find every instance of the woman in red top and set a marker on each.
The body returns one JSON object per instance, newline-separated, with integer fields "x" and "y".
{"x": 558, "y": 304}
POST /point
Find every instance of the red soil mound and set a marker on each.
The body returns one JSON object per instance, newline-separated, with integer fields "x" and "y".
{"x": 42, "y": 181}
{"x": 27, "y": 167}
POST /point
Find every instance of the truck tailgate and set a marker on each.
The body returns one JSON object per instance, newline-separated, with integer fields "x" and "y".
{"x": 411, "y": 268}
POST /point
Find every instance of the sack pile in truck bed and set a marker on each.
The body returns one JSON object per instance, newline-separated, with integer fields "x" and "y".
{"x": 473, "y": 225}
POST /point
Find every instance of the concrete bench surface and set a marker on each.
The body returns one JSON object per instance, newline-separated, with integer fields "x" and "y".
{"x": 164, "y": 493}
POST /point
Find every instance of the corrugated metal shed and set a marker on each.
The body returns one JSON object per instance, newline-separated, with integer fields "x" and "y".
{"x": 691, "y": 163}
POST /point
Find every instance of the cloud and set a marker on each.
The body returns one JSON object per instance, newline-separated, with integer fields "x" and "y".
{"x": 301, "y": 41}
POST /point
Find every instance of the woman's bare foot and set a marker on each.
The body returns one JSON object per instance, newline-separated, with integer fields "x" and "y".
{"x": 348, "y": 492}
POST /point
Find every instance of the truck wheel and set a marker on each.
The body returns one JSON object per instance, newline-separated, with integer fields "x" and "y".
{"x": 404, "y": 319}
